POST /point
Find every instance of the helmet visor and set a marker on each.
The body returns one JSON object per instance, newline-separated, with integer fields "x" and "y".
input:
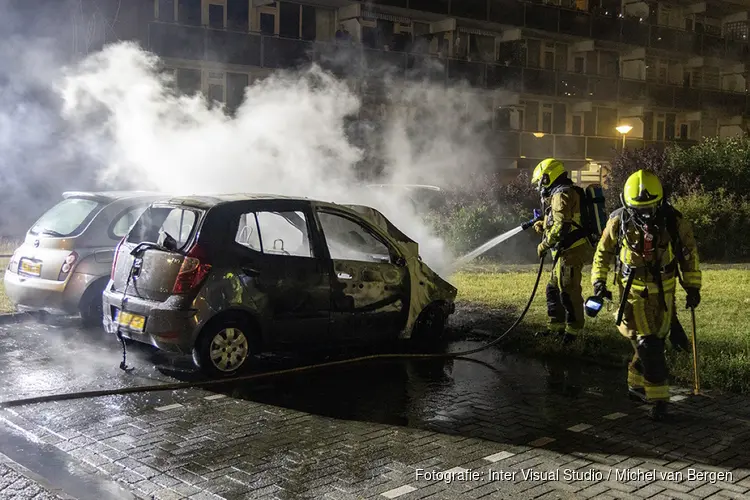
{"x": 645, "y": 213}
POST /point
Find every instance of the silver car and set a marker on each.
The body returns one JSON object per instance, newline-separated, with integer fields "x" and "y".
{"x": 65, "y": 261}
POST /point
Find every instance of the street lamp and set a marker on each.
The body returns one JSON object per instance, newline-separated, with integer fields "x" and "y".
{"x": 624, "y": 130}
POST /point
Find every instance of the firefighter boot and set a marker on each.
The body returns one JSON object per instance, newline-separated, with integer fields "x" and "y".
{"x": 659, "y": 412}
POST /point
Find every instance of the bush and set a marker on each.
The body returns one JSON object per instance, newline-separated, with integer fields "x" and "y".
{"x": 721, "y": 223}
{"x": 466, "y": 220}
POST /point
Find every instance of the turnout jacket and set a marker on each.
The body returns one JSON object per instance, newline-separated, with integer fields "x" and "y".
{"x": 675, "y": 258}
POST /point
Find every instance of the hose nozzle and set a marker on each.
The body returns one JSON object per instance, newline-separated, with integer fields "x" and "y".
{"x": 537, "y": 218}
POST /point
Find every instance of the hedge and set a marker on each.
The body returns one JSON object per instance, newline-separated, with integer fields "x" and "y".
{"x": 709, "y": 183}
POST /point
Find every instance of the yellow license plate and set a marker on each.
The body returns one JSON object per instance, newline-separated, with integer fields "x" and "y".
{"x": 31, "y": 268}
{"x": 130, "y": 320}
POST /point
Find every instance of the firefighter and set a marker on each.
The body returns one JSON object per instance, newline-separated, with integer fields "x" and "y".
{"x": 651, "y": 244}
{"x": 568, "y": 241}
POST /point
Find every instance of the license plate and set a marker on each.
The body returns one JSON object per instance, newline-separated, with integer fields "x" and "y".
{"x": 130, "y": 320}
{"x": 31, "y": 268}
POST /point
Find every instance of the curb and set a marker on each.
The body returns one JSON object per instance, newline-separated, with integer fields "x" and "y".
{"x": 18, "y": 317}
{"x": 34, "y": 477}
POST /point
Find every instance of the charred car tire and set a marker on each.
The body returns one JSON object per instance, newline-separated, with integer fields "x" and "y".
{"x": 430, "y": 324}
{"x": 223, "y": 348}
{"x": 91, "y": 306}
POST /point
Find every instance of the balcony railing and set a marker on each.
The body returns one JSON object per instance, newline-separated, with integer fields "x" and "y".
{"x": 586, "y": 24}
{"x": 252, "y": 49}
{"x": 519, "y": 144}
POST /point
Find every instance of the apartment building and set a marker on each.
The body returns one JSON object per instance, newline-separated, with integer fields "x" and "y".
{"x": 560, "y": 77}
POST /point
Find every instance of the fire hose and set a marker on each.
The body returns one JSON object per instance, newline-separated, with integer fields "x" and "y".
{"x": 243, "y": 378}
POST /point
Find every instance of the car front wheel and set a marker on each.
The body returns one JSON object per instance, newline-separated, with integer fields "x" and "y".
{"x": 430, "y": 324}
{"x": 223, "y": 350}
{"x": 91, "y": 307}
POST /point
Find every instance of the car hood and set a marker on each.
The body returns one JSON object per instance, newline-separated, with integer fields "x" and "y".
{"x": 427, "y": 286}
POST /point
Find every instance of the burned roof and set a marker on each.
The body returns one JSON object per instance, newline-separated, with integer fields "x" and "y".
{"x": 208, "y": 201}
{"x": 110, "y": 196}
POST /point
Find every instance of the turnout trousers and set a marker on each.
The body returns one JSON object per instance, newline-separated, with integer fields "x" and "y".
{"x": 564, "y": 292}
{"x": 646, "y": 322}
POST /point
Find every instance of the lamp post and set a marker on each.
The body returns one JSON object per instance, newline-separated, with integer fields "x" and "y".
{"x": 624, "y": 130}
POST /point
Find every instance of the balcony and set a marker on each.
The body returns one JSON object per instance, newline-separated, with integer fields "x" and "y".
{"x": 252, "y": 49}
{"x": 233, "y": 48}
{"x": 286, "y": 52}
{"x": 473, "y": 72}
{"x": 584, "y": 24}
{"x": 575, "y": 23}
{"x": 573, "y": 85}
{"x": 505, "y": 77}
{"x": 572, "y": 148}
{"x": 509, "y": 12}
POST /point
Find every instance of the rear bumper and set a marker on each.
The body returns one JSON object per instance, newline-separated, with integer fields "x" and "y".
{"x": 54, "y": 296}
{"x": 166, "y": 328}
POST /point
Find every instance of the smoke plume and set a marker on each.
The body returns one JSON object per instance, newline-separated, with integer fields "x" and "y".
{"x": 127, "y": 127}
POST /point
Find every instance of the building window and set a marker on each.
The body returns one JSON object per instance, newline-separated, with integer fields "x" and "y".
{"x": 546, "y": 125}
{"x": 238, "y": 15}
{"x": 216, "y": 16}
{"x": 215, "y": 93}
{"x": 189, "y": 80}
{"x": 577, "y": 125}
{"x": 236, "y": 83}
{"x": 189, "y": 12}
{"x": 736, "y": 31}
{"x": 289, "y": 20}
{"x": 579, "y": 64}
{"x": 267, "y": 23}
{"x": 165, "y": 11}
{"x": 684, "y": 131}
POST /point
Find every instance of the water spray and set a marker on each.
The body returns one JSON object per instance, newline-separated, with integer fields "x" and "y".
{"x": 486, "y": 247}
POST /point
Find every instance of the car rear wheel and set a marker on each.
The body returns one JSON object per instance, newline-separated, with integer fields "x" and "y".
{"x": 223, "y": 349}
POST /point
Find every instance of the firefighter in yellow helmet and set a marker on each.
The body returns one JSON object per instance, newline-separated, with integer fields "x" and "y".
{"x": 568, "y": 241}
{"x": 651, "y": 244}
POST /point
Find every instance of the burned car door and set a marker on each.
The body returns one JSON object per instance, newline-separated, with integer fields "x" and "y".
{"x": 288, "y": 280}
{"x": 371, "y": 284}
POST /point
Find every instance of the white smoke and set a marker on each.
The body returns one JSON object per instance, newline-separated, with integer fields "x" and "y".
{"x": 288, "y": 137}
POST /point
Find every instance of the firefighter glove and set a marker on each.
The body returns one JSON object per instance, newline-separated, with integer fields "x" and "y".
{"x": 677, "y": 336}
{"x": 541, "y": 250}
{"x": 693, "y": 298}
{"x": 539, "y": 227}
{"x": 600, "y": 288}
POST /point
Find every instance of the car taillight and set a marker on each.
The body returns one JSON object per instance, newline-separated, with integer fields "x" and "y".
{"x": 114, "y": 260}
{"x": 70, "y": 260}
{"x": 193, "y": 271}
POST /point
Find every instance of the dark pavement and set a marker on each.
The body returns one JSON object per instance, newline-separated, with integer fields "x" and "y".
{"x": 366, "y": 430}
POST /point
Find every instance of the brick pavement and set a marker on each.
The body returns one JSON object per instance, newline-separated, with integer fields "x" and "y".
{"x": 15, "y": 483}
{"x": 200, "y": 445}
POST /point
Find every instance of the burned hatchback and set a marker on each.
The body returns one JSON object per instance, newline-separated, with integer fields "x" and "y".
{"x": 227, "y": 277}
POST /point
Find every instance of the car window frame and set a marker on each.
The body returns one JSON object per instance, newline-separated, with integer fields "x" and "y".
{"x": 120, "y": 215}
{"x": 393, "y": 252}
{"x": 193, "y": 231}
{"x": 319, "y": 251}
{"x": 81, "y": 228}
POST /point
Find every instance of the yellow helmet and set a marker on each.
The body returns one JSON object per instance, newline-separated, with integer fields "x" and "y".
{"x": 546, "y": 173}
{"x": 643, "y": 193}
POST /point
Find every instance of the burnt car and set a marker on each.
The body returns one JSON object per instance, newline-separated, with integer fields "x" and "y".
{"x": 65, "y": 260}
{"x": 226, "y": 277}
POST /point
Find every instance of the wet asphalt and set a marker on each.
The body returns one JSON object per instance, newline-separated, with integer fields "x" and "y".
{"x": 57, "y": 355}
